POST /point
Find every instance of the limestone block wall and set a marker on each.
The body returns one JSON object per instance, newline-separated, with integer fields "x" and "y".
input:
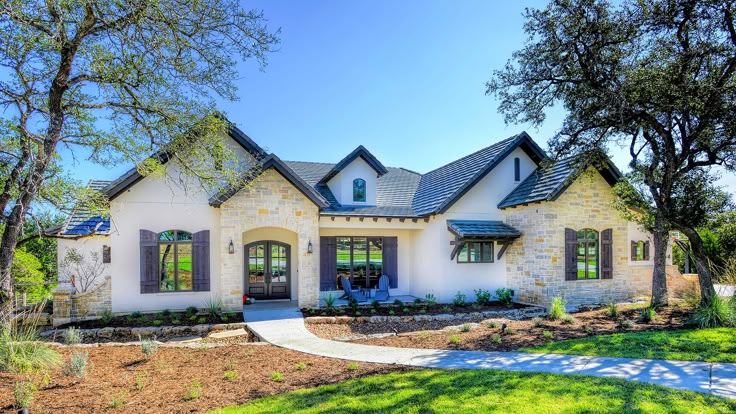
{"x": 69, "y": 306}
{"x": 270, "y": 201}
{"x": 535, "y": 262}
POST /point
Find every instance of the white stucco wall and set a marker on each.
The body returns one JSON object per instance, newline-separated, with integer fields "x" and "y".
{"x": 434, "y": 271}
{"x": 85, "y": 246}
{"x": 341, "y": 184}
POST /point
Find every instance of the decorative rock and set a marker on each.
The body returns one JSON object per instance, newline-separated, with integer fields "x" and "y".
{"x": 344, "y": 319}
{"x": 394, "y": 319}
{"x": 350, "y": 338}
{"x": 377, "y": 319}
{"x": 320, "y": 319}
{"x": 443, "y": 317}
{"x": 144, "y": 332}
{"x": 423, "y": 318}
{"x": 380, "y": 335}
{"x": 363, "y": 319}
{"x": 104, "y": 333}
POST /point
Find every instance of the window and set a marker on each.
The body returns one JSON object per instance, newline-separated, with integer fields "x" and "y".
{"x": 476, "y": 252}
{"x": 517, "y": 169}
{"x": 639, "y": 251}
{"x": 587, "y": 254}
{"x": 106, "y": 254}
{"x": 359, "y": 190}
{"x": 360, "y": 259}
{"x": 175, "y": 256}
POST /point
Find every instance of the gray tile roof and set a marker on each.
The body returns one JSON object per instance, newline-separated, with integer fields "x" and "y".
{"x": 439, "y": 188}
{"x": 82, "y": 221}
{"x": 479, "y": 229}
{"x": 549, "y": 181}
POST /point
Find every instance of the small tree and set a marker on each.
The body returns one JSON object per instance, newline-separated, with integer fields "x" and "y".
{"x": 83, "y": 272}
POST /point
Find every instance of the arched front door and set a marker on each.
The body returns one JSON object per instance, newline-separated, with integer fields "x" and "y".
{"x": 268, "y": 270}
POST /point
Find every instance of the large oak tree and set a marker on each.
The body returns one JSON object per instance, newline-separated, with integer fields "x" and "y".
{"x": 113, "y": 81}
{"x": 655, "y": 76}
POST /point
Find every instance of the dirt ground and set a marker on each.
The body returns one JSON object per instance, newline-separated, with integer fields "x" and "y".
{"x": 430, "y": 335}
{"x": 167, "y": 381}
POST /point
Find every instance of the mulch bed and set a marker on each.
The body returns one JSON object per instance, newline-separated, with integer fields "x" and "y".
{"x": 429, "y": 335}
{"x": 159, "y": 384}
{"x": 408, "y": 309}
{"x": 137, "y": 319}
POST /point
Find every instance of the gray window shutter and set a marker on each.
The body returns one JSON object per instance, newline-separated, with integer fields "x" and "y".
{"x": 149, "y": 261}
{"x": 391, "y": 260}
{"x": 646, "y": 250}
{"x": 327, "y": 263}
{"x": 201, "y": 261}
{"x": 607, "y": 254}
{"x": 571, "y": 253}
{"x": 633, "y": 251}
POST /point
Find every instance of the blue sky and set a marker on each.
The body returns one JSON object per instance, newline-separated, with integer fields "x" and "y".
{"x": 403, "y": 78}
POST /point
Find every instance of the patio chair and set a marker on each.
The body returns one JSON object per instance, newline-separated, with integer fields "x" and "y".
{"x": 351, "y": 294}
{"x": 382, "y": 289}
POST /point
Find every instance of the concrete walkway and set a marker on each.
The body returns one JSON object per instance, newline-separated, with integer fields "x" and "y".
{"x": 284, "y": 327}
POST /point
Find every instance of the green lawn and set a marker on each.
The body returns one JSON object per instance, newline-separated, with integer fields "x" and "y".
{"x": 712, "y": 345}
{"x": 482, "y": 391}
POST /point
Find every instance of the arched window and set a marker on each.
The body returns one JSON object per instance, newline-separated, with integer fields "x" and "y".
{"x": 175, "y": 258}
{"x": 587, "y": 254}
{"x": 639, "y": 250}
{"x": 359, "y": 190}
{"x": 517, "y": 169}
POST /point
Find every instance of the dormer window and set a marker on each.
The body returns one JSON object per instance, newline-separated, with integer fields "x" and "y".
{"x": 359, "y": 190}
{"x": 517, "y": 169}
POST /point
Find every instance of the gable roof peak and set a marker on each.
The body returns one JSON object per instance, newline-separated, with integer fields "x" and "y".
{"x": 359, "y": 152}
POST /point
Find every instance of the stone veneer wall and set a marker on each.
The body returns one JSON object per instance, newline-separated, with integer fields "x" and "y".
{"x": 270, "y": 201}
{"x": 69, "y": 306}
{"x": 535, "y": 262}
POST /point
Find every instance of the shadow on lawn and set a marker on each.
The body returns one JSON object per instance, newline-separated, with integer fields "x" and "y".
{"x": 433, "y": 391}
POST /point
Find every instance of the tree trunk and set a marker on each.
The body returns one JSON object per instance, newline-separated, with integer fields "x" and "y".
{"x": 659, "y": 275}
{"x": 705, "y": 278}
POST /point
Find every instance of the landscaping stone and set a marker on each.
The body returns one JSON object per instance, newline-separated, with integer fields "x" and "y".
{"x": 229, "y": 333}
{"x": 102, "y": 333}
{"x": 510, "y": 314}
{"x": 380, "y": 335}
{"x": 146, "y": 332}
{"x": 344, "y": 319}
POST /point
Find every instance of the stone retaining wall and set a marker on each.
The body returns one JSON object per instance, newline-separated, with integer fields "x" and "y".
{"x": 513, "y": 314}
{"x": 144, "y": 332}
{"x": 70, "y": 306}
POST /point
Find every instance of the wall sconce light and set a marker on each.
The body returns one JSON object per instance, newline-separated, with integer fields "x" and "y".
{"x": 310, "y": 249}
{"x": 231, "y": 248}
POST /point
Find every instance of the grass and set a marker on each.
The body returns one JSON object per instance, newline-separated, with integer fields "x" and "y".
{"x": 462, "y": 391}
{"x": 710, "y": 345}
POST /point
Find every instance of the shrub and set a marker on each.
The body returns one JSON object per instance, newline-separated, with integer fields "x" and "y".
{"x": 430, "y": 299}
{"x": 277, "y": 376}
{"x": 201, "y": 320}
{"x": 118, "y": 399}
{"x": 547, "y": 334}
{"x": 106, "y": 317}
{"x": 353, "y": 366}
{"x": 405, "y": 310}
{"x": 719, "y": 312}
{"x": 373, "y": 311}
{"x": 175, "y": 322}
{"x": 136, "y": 315}
{"x": 149, "y": 347}
{"x": 142, "y": 379}
{"x": 228, "y": 375}
{"x": 213, "y": 306}
{"x": 192, "y": 310}
{"x": 330, "y": 299}
{"x": 504, "y": 296}
{"x": 72, "y": 336}
{"x": 358, "y": 313}
{"x": 21, "y": 350}
{"x": 482, "y": 297}
{"x": 476, "y": 306}
{"x": 537, "y": 322}
{"x": 158, "y": 322}
{"x": 453, "y": 339}
{"x": 165, "y": 313}
{"x": 496, "y": 338}
{"x": 647, "y": 315}
{"x": 510, "y": 331}
{"x": 492, "y": 324}
{"x": 459, "y": 299}
{"x": 398, "y": 302}
{"x": 300, "y": 366}
{"x": 557, "y": 309}
{"x": 466, "y": 327}
{"x": 627, "y": 324}
{"x": 612, "y": 311}
{"x": 23, "y": 393}
{"x": 567, "y": 319}
{"x": 193, "y": 391}
{"x": 193, "y": 318}
{"x": 423, "y": 311}
{"x": 77, "y": 365}
{"x": 588, "y": 329}
{"x": 417, "y": 301}
{"x": 446, "y": 309}
{"x": 391, "y": 312}
{"x": 375, "y": 304}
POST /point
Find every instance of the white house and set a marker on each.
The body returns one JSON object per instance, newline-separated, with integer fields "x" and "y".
{"x": 495, "y": 218}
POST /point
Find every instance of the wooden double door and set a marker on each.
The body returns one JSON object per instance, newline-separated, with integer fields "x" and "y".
{"x": 268, "y": 270}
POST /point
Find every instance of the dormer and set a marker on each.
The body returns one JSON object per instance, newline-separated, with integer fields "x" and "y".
{"x": 353, "y": 179}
